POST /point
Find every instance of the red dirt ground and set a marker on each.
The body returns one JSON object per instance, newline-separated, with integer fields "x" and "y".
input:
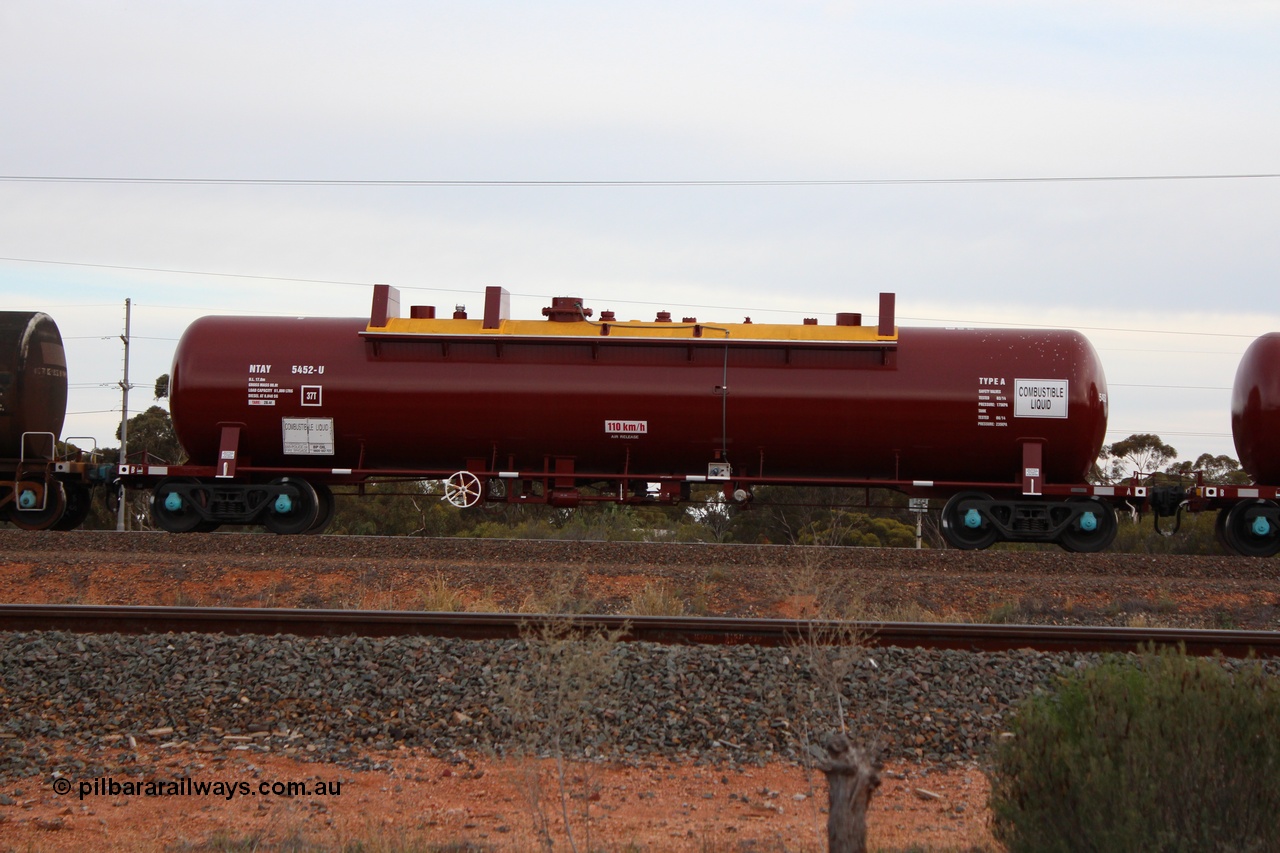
{"x": 486, "y": 804}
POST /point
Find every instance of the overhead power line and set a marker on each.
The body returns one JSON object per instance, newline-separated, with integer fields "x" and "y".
{"x": 1171, "y": 387}
{"x": 611, "y": 301}
{"x": 838, "y": 182}
{"x": 193, "y": 272}
{"x": 1162, "y": 432}
{"x": 964, "y": 323}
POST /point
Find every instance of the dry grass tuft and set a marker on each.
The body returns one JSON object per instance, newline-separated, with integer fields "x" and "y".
{"x": 657, "y": 600}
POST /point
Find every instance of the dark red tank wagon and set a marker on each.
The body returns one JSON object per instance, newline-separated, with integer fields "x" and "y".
{"x": 38, "y": 488}
{"x": 1006, "y": 424}
{"x": 1249, "y": 516}
{"x": 33, "y": 379}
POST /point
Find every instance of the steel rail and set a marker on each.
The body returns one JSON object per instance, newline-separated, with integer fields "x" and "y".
{"x": 98, "y": 619}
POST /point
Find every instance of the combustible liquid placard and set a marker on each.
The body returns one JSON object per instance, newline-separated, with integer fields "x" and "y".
{"x": 1040, "y": 398}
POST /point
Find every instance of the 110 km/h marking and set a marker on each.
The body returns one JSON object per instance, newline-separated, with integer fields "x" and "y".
{"x": 626, "y": 427}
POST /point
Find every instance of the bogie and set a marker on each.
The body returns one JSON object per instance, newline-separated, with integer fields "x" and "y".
{"x": 973, "y": 520}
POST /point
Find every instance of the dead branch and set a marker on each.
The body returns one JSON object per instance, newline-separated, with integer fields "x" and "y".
{"x": 853, "y": 774}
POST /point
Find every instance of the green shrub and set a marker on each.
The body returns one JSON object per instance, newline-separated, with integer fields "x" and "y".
{"x": 1159, "y": 753}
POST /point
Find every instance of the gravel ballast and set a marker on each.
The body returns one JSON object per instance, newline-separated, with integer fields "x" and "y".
{"x": 333, "y": 697}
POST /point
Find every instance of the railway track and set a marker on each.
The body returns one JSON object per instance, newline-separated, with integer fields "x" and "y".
{"x": 655, "y": 629}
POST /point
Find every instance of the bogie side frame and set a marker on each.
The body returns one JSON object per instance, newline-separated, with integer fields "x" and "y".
{"x": 191, "y": 498}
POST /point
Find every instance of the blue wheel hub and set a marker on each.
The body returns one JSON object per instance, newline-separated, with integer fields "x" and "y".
{"x": 173, "y": 502}
{"x": 284, "y": 505}
{"x": 1088, "y": 522}
{"x": 1260, "y": 526}
{"x": 973, "y": 519}
{"x": 27, "y": 500}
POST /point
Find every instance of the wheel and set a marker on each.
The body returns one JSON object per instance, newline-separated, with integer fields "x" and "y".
{"x": 463, "y": 489}
{"x": 1250, "y": 528}
{"x": 324, "y": 499}
{"x": 1093, "y": 530}
{"x": 28, "y": 493}
{"x": 175, "y": 509}
{"x": 965, "y": 523}
{"x": 292, "y": 512}
{"x": 79, "y": 502}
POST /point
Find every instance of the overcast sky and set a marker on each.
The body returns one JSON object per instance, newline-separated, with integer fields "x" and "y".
{"x": 890, "y": 108}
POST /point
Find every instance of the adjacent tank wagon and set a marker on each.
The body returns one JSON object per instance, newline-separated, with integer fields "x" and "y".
{"x": 39, "y": 487}
{"x": 33, "y": 379}
{"x": 1249, "y": 516}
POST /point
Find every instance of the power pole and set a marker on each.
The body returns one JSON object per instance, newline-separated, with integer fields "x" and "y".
{"x": 124, "y": 414}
